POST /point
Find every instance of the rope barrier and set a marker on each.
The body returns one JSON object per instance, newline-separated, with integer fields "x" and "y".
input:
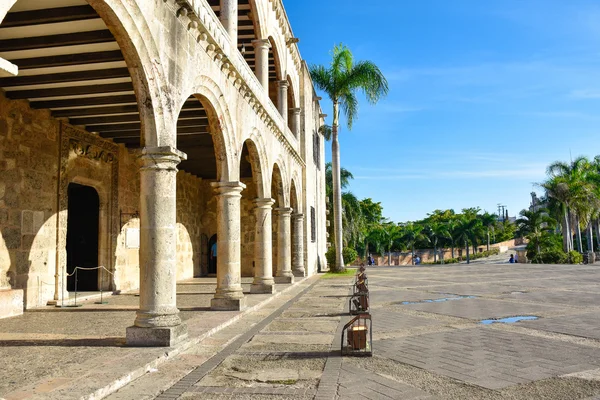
{"x": 75, "y": 273}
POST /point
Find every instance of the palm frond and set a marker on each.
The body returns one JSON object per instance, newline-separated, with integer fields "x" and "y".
{"x": 367, "y": 76}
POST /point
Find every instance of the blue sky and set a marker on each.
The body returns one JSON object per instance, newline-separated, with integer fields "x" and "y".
{"x": 483, "y": 96}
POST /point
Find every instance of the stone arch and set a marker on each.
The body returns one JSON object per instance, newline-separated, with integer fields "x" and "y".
{"x": 260, "y": 18}
{"x": 220, "y": 124}
{"x": 140, "y": 51}
{"x": 258, "y": 160}
{"x": 279, "y": 171}
{"x": 279, "y": 57}
{"x": 296, "y": 192}
{"x": 293, "y": 100}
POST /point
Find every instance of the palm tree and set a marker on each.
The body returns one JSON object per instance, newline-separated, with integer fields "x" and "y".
{"x": 411, "y": 234}
{"x": 436, "y": 231}
{"x": 533, "y": 224}
{"x": 340, "y": 81}
{"x": 345, "y": 177}
{"x": 558, "y": 190}
{"x": 353, "y": 220}
{"x": 488, "y": 220}
{"x": 466, "y": 230}
{"x": 573, "y": 176}
{"x": 452, "y": 226}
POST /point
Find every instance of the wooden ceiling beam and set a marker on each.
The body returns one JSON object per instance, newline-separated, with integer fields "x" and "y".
{"x": 65, "y": 77}
{"x": 70, "y": 91}
{"x": 90, "y": 111}
{"x": 69, "y": 59}
{"x": 48, "y": 16}
{"x": 65, "y": 39}
{"x": 84, "y": 102}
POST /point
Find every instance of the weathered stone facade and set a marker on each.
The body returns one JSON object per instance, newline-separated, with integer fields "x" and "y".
{"x": 174, "y": 77}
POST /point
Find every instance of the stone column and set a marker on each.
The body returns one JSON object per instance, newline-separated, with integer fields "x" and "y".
{"x": 284, "y": 251}
{"x": 261, "y": 67}
{"x": 282, "y": 100}
{"x": 298, "y": 245}
{"x": 229, "y": 19}
{"x": 229, "y": 295}
{"x": 263, "y": 257}
{"x": 295, "y": 121}
{"x": 157, "y": 322}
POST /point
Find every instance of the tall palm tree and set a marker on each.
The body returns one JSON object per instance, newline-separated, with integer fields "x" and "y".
{"x": 387, "y": 234}
{"x": 436, "y": 232}
{"x": 466, "y": 230}
{"x": 557, "y": 189}
{"x": 534, "y": 223}
{"x": 568, "y": 181}
{"x": 453, "y": 226}
{"x": 353, "y": 220}
{"x": 488, "y": 220}
{"x": 411, "y": 234}
{"x": 340, "y": 81}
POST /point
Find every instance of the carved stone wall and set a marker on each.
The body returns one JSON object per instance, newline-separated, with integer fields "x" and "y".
{"x": 28, "y": 190}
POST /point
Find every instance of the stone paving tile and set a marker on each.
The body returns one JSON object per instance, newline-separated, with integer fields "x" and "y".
{"x": 379, "y": 297}
{"x": 584, "y": 325}
{"x": 570, "y": 298}
{"x": 479, "y": 289}
{"x": 386, "y": 320}
{"x": 359, "y": 383}
{"x": 478, "y": 309}
{"x": 488, "y": 357}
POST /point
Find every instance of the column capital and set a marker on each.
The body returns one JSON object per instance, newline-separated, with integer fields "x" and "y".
{"x": 298, "y": 216}
{"x": 264, "y": 203}
{"x": 296, "y": 110}
{"x": 228, "y": 188}
{"x": 284, "y": 211}
{"x": 165, "y": 157}
{"x": 261, "y": 44}
{"x": 283, "y": 84}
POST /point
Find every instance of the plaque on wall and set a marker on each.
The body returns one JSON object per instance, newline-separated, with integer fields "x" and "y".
{"x": 132, "y": 238}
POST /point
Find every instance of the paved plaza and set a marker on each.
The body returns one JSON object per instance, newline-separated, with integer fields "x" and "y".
{"x": 429, "y": 342}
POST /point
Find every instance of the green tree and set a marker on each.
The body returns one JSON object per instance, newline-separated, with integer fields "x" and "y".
{"x": 436, "y": 232}
{"x": 411, "y": 234}
{"x": 568, "y": 185}
{"x": 488, "y": 221}
{"x": 533, "y": 224}
{"x": 340, "y": 81}
{"x": 466, "y": 231}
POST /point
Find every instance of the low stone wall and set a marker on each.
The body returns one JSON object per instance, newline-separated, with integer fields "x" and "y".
{"x": 11, "y": 303}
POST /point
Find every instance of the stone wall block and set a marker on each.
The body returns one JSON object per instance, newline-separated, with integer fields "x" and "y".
{"x": 12, "y": 237}
{"x": 27, "y": 222}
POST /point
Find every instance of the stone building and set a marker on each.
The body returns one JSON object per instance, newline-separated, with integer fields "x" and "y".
{"x": 135, "y": 134}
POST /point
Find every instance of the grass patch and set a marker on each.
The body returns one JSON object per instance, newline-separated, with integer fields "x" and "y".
{"x": 346, "y": 272}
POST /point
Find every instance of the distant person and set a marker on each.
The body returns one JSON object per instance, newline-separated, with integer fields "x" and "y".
{"x": 511, "y": 259}
{"x": 516, "y": 259}
{"x": 418, "y": 260}
{"x": 369, "y": 262}
{"x": 372, "y": 260}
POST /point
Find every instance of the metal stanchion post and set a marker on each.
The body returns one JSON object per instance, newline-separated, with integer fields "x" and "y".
{"x": 75, "y": 304}
{"x": 100, "y": 269}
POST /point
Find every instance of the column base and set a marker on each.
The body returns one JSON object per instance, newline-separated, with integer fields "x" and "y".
{"x": 299, "y": 273}
{"x": 228, "y": 304}
{"x": 52, "y": 302}
{"x": 284, "y": 279}
{"x": 156, "y": 337}
{"x": 262, "y": 288}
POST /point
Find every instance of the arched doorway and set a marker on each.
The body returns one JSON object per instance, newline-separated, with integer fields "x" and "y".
{"x": 82, "y": 238}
